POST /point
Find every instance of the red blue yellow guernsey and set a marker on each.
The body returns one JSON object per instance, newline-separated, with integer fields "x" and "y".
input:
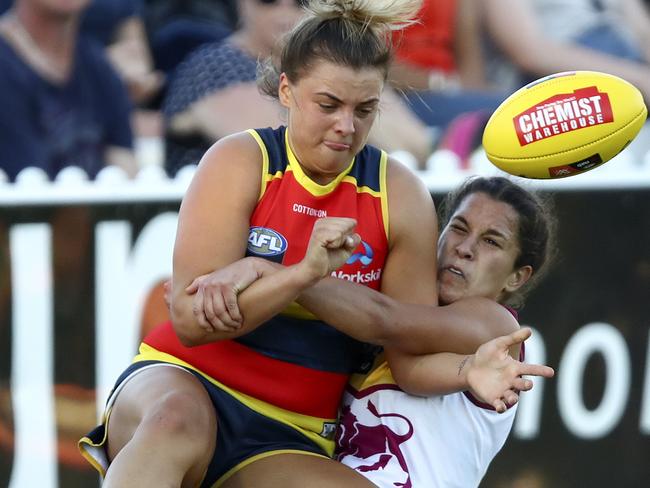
{"x": 294, "y": 361}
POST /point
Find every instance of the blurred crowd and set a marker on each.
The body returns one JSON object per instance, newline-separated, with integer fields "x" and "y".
{"x": 82, "y": 81}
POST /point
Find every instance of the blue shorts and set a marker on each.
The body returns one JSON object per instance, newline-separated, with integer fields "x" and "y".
{"x": 243, "y": 434}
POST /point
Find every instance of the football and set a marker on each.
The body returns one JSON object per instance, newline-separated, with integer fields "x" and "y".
{"x": 564, "y": 124}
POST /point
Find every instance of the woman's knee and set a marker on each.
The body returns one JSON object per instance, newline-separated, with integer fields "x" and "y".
{"x": 162, "y": 404}
{"x": 182, "y": 416}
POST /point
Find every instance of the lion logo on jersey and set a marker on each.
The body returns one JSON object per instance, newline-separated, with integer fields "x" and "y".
{"x": 373, "y": 446}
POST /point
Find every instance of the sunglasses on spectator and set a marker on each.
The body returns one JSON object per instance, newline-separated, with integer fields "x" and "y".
{"x": 299, "y": 3}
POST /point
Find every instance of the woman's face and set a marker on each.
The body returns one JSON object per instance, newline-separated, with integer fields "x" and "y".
{"x": 331, "y": 110}
{"x": 477, "y": 251}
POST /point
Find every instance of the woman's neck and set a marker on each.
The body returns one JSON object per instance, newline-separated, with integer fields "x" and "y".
{"x": 45, "y": 41}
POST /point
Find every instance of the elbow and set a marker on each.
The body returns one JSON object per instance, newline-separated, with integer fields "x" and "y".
{"x": 185, "y": 335}
{"x": 525, "y": 62}
{"x": 408, "y": 383}
{"x": 188, "y": 334}
{"x": 530, "y": 54}
{"x": 546, "y": 57}
{"x": 188, "y": 340}
{"x": 404, "y": 383}
{"x": 191, "y": 334}
{"x": 415, "y": 391}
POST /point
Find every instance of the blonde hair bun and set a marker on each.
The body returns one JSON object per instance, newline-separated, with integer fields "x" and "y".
{"x": 376, "y": 14}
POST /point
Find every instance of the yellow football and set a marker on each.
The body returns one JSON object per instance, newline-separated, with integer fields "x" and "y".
{"x": 564, "y": 124}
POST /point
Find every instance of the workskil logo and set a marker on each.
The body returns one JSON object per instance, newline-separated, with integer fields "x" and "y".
{"x": 359, "y": 277}
{"x": 266, "y": 242}
{"x": 364, "y": 257}
{"x": 562, "y": 113}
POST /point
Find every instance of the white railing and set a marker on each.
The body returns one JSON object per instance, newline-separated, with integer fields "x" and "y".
{"x": 71, "y": 185}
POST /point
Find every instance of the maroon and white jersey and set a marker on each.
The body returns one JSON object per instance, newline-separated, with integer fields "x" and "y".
{"x": 399, "y": 440}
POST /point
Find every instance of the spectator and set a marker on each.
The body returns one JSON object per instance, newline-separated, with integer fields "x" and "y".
{"x": 439, "y": 63}
{"x": 213, "y": 93}
{"x": 178, "y": 27}
{"x": 546, "y": 36}
{"x": 62, "y": 102}
{"x": 620, "y": 28}
{"x": 119, "y": 25}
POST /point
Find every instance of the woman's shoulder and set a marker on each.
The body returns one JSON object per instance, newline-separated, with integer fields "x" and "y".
{"x": 230, "y": 168}
{"x": 238, "y": 150}
{"x": 403, "y": 178}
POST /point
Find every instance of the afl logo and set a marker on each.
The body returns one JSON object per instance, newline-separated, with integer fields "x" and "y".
{"x": 266, "y": 242}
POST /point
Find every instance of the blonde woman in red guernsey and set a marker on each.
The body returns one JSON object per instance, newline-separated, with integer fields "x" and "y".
{"x": 256, "y": 404}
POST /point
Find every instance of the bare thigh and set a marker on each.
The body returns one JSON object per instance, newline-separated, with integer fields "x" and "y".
{"x": 296, "y": 471}
{"x": 167, "y": 400}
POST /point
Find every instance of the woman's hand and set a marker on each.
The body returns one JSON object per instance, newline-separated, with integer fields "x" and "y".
{"x": 215, "y": 295}
{"x": 331, "y": 243}
{"x": 495, "y": 377}
{"x": 215, "y": 304}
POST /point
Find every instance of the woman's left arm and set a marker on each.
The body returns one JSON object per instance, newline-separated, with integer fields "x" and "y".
{"x": 439, "y": 373}
{"x": 491, "y": 374}
{"x": 409, "y": 274}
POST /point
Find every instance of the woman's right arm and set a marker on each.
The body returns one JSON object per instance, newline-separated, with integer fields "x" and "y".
{"x": 357, "y": 311}
{"x": 213, "y": 223}
{"x": 516, "y": 31}
{"x": 373, "y": 317}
